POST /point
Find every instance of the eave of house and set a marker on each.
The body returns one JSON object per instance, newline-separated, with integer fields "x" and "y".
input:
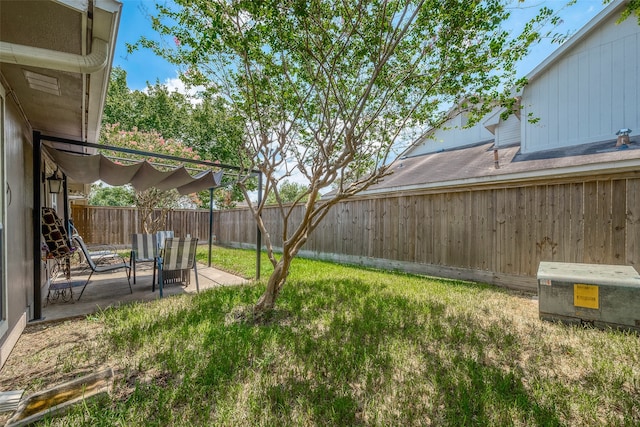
{"x": 47, "y": 52}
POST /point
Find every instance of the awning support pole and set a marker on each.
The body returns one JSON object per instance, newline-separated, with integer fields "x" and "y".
{"x": 37, "y": 251}
{"x": 65, "y": 200}
{"x": 210, "y": 222}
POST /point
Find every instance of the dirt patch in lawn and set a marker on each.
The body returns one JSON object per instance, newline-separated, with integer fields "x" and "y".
{"x": 51, "y": 353}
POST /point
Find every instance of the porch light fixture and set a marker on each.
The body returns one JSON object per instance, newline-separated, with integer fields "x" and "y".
{"x": 55, "y": 182}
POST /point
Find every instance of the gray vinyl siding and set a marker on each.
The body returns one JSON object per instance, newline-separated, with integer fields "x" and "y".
{"x": 452, "y": 136}
{"x": 508, "y": 132}
{"x": 589, "y": 93}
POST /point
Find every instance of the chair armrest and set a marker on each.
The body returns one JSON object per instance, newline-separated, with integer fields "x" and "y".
{"x": 101, "y": 254}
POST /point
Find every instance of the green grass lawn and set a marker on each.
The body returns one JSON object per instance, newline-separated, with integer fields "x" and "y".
{"x": 349, "y": 346}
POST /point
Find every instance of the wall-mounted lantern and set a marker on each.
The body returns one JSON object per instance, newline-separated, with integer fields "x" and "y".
{"x": 55, "y": 182}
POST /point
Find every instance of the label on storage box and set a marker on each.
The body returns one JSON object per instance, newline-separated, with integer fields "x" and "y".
{"x": 585, "y": 296}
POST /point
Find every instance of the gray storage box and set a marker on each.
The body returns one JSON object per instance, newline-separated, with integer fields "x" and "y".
{"x": 602, "y": 295}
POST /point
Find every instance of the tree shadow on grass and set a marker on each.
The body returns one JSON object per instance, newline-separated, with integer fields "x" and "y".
{"x": 344, "y": 353}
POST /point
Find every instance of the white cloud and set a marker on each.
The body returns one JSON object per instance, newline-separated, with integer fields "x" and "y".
{"x": 176, "y": 85}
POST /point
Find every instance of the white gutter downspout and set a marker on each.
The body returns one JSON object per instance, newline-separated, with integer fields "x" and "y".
{"x": 62, "y": 61}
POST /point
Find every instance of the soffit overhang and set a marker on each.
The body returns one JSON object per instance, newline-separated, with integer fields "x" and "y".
{"x": 57, "y": 102}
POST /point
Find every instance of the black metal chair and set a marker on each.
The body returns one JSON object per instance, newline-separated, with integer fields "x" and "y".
{"x": 101, "y": 268}
{"x": 57, "y": 256}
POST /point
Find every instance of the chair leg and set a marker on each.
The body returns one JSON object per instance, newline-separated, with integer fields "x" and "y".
{"x": 85, "y": 285}
{"x": 160, "y": 278}
{"x": 128, "y": 274}
{"x": 134, "y": 270}
{"x": 195, "y": 271}
{"x": 153, "y": 284}
{"x": 154, "y": 272}
{"x": 130, "y": 263}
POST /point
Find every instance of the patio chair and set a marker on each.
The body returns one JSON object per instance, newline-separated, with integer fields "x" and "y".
{"x": 102, "y": 268}
{"x": 100, "y": 254}
{"x": 54, "y": 234}
{"x": 58, "y": 246}
{"x": 57, "y": 255}
{"x": 144, "y": 248}
{"x": 176, "y": 261}
{"x": 161, "y": 236}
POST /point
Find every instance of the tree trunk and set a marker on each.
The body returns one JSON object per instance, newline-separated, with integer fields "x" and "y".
{"x": 277, "y": 279}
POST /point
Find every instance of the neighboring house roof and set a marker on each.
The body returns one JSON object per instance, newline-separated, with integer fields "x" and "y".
{"x": 475, "y": 165}
{"x": 55, "y": 57}
{"x": 493, "y": 119}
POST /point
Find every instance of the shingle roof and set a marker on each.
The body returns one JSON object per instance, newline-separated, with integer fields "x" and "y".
{"x": 476, "y": 164}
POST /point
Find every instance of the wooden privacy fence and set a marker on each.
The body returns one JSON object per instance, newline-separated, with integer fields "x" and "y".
{"x": 494, "y": 234}
{"x": 114, "y": 225}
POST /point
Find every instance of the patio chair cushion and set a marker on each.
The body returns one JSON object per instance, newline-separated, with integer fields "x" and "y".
{"x": 178, "y": 258}
{"x": 55, "y": 234}
{"x": 179, "y": 253}
{"x": 144, "y": 246}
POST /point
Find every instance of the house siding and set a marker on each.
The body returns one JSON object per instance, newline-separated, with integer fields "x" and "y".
{"x": 452, "y": 136}
{"x": 18, "y": 228}
{"x": 508, "y": 132}
{"x": 589, "y": 93}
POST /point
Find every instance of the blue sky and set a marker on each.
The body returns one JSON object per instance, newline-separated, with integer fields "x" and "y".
{"x": 143, "y": 66}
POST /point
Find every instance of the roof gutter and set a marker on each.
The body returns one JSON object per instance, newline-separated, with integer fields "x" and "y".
{"x": 62, "y": 61}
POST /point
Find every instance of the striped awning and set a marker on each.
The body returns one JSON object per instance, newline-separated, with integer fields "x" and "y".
{"x": 87, "y": 169}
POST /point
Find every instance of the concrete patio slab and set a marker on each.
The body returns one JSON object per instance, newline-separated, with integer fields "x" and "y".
{"x": 112, "y": 290}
